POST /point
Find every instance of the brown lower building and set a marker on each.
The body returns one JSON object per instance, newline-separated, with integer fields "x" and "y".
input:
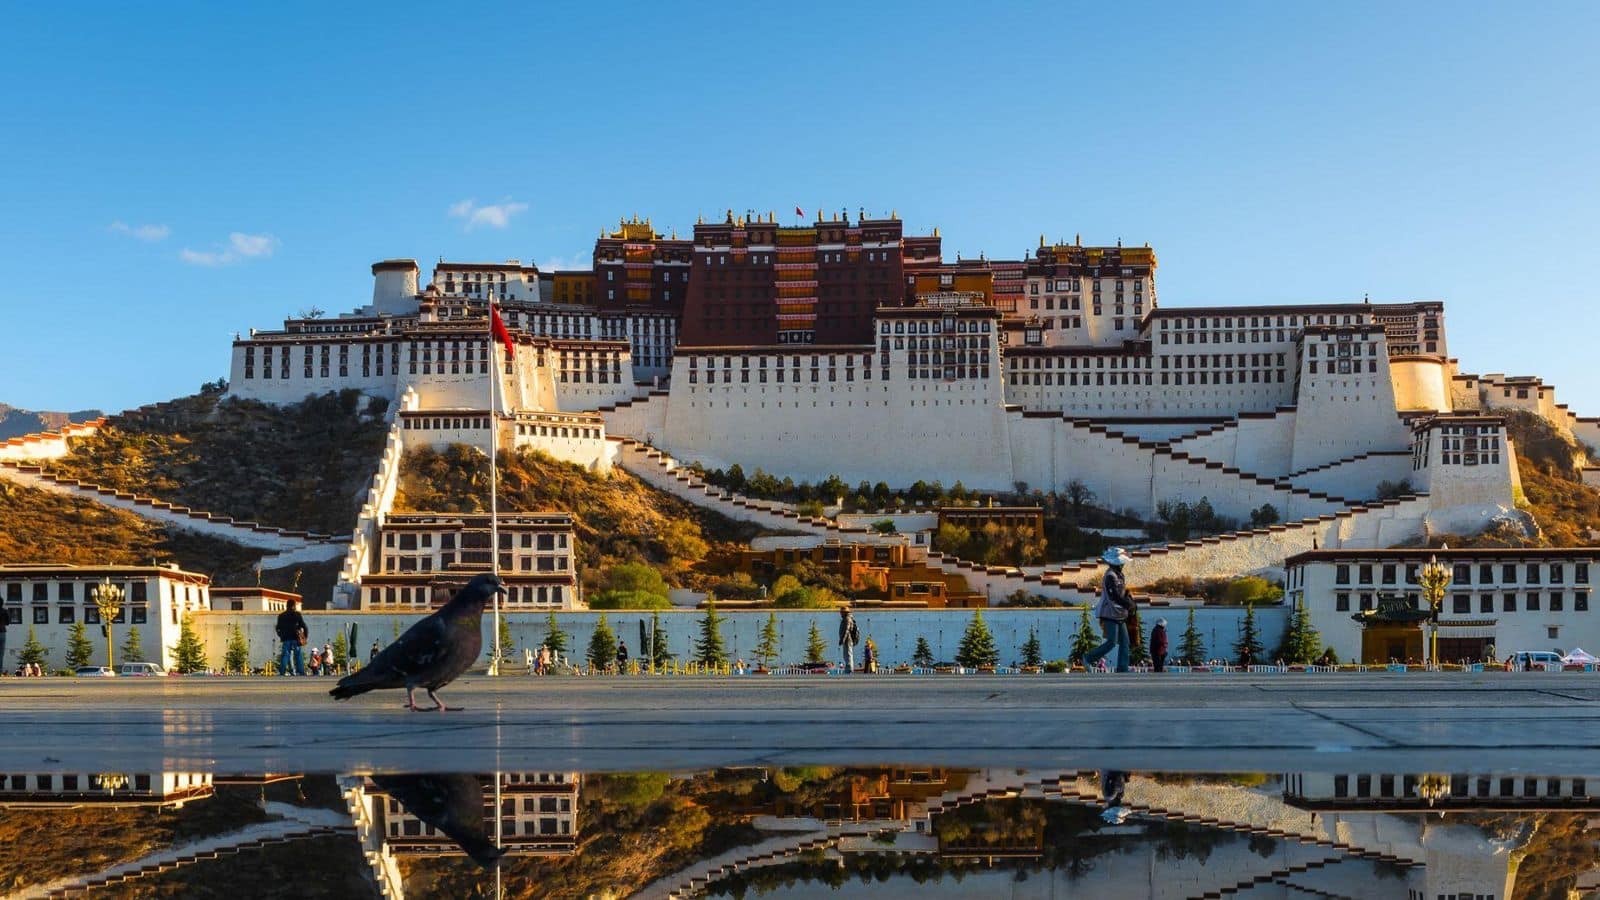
{"x": 879, "y": 574}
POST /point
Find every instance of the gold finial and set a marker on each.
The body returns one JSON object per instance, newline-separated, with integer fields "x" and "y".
{"x": 1041, "y": 239}
{"x": 935, "y": 231}
{"x": 894, "y": 214}
{"x": 700, "y": 219}
{"x": 1077, "y": 239}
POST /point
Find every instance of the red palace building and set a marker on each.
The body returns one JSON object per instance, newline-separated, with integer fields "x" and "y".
{"x": 754, "y": 282}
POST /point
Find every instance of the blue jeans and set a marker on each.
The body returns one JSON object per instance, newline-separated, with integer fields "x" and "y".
{"x": 1116, "y": 639}
{"x": 291, "y": 656}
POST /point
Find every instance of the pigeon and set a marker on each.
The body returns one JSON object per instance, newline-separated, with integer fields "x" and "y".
{"x": 431, "y": 653}
{"x": 451, "y": 804}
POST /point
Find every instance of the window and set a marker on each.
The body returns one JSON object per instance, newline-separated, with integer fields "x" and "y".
{"x": 41, "y": 615}
{"x": 1558, "y": 601}
{"x": 1508, "y": 603}
{"x": 1532, "y": 601}
{"x": 68, "y": 614}
{"x": 1364, "y": 572}
{"x": 1553, "y": 632}
{"x": 1461, "y": 603}
{"x": 1341, "y": 602}
{"x": 1341, "y": 574}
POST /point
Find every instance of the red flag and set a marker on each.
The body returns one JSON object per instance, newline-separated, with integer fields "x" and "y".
{"x": 799, "y": 212}
{"x": 498, "y": 327}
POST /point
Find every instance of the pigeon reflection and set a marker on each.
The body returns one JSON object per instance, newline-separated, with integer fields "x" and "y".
{"x": 451, "y": 804}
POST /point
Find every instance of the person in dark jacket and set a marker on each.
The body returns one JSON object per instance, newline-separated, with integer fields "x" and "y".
{"x": 622, "y": 656}
{"x": 5, "y": 619}
{"x": 292, "y": 631}
{"x": 374, "y": 653}
{"x": 1158, "y": 646}
{"x": 1113, "y": 610}
{"x": 849, "y": 637}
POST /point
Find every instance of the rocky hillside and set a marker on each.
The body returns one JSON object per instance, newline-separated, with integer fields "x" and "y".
{"x": 1552, "y": 482}
{"x": 15, "y": 422}
{"x": 303, "y": 466}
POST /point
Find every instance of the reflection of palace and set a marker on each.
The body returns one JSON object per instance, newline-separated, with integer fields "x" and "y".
{"x": 1314, "y": 834}
{"x": 538, "y": 817}
{"x": 893, "y": 793}
{"x": 113, "y": 789}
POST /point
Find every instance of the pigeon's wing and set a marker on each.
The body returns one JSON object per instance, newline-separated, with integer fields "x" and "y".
{"x": 453, "y": 804}
{"x": 422, "y": 646}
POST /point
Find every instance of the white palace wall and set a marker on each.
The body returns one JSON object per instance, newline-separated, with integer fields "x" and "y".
{"x": 894, "y": 431}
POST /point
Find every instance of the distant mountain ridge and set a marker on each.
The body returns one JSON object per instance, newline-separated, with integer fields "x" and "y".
{"x": 16, "y": 422}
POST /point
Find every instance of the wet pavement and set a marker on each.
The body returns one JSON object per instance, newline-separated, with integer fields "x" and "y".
{"x": 1541, "y": 721}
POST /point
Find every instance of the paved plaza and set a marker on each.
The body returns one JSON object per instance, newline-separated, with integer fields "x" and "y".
{"x": 1417, "y": 722}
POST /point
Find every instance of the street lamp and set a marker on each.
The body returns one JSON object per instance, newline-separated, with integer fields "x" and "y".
{"x": 1434, "y": 579}
{"x": 108, "y": 598}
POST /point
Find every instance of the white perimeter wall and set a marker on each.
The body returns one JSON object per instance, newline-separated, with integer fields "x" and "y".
{"x": 895, "y": 632}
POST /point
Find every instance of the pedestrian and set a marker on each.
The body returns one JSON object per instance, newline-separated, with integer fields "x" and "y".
{"x": 544, "y": 659}
{"x": 1158, "y": 646}
{"x": 327, "y": 659}
{"x": 373, "y": 654}
{"x": 849, "y": 637}
{"x": 1115, "y": 605}
{"x": 622, "y": 656}
{"x": 5, "y": 619}
{"x": 869, "y": 661}
{"x": 527, "y": 659}
{"x": 314, "y": 665}
{"x": 1113, "y": 784}
{"x": 292, "y": 631}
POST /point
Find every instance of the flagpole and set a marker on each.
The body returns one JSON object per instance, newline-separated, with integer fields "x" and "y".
{"x": 494, "y": 509}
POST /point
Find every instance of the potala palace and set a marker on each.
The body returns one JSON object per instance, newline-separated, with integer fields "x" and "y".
{"x": 846, "y": 347}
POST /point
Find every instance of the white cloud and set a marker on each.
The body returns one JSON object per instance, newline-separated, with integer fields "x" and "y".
{"x": 494, "y": 215}
{"x": 150, "y": 233}
{"x": 253, "y": 244}
{"x": 240, "y": 246}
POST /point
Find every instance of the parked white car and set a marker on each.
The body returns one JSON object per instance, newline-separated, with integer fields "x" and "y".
{"x": 1529, "y": 660}
{"x": 141, "y": 669}
{"x": 94, "y": 672}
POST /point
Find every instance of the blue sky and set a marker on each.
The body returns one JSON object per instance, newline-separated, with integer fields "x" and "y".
{"x": 171, "y": 174}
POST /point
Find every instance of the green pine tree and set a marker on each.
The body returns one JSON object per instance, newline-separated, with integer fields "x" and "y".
{"x": 977, "y": 644}
{"x": 1031, "y": 653}
{"x": 189, "y": 654}
{"x": 816, "y": 649}
{"x": 602, "y": 645}
{"x": 658, "y": 642}
{"x": 506, "y": 642}
{"x": 1247, "y": 649}
{"x": 708, "y": 650}
{"x": 236, "y": 659}
{"x": 1191, "y": 649}
{"x": 767, "y": 650}
{"x": 555, "y": 638}
{"x": 1301, "y": 642}
{"x": 1084, "y": 639}
{"x": 922, "y": 656}
{"x": 79, "y": 650}
{"x": 33, "y": 652}
{"x": 132, "y": 648}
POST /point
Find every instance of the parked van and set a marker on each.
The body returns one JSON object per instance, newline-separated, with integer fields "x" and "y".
{"x": 1534, "y": 660}
{"x": 140, "y": 669}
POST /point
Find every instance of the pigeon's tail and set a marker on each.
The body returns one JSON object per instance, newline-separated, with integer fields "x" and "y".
{"x": 350, "y": 686}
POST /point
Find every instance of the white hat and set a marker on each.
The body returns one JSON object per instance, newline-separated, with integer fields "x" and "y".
{"x": 1115, "y": 556}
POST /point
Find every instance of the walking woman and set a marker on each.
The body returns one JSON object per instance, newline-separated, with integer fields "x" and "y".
{"x": 1113, "y": 610}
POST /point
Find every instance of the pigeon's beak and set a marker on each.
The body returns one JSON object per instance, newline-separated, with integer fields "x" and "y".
{"x": 500, "y": 588}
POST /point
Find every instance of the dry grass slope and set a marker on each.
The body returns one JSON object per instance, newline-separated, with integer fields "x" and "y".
{"x": 301, "y": 466}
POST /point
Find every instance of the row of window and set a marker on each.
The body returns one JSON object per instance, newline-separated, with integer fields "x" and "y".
{"x": 409, "y": 540}
{"x": 70, "y": 591}
{"x": 1462, "y": 573}
{"x": 1463, "y": 786}
{"x": 67, "y": 615}
{"x": 1532, "y": 601}
{"x": 516, "y": 595}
